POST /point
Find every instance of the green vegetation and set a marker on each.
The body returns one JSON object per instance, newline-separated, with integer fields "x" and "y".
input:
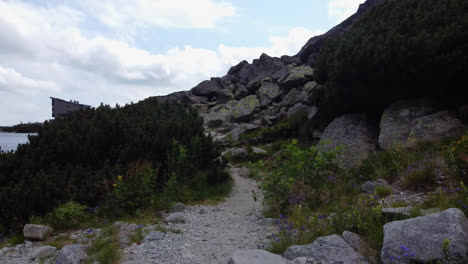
{"x": 296, "y": 176}
{"x": 296, "y": 126}
{"x": 106, "y": 249}
{"x": 67, "y": 215}
{"x": 399, "y": 49}
{"x": 382, "y": 191}
{"x": 312, "y": 196}
{"x": 24, "y": 128}
{"x": 114, "y": 160}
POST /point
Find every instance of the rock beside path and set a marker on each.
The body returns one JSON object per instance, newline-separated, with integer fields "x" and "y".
{"x": 355, "y": 134}
{"x": 178, "y": 207}
{"x": 43, "y": 252}
{"x": 176, "y": 218}
{"x": 72, "y": 254}
{"x": 420, "y": 239}
{"x": 331, "y": 249}
{"x": 153, "y": 236}
{"x": 255, "y": 257}
{"x": 37, "y": 232}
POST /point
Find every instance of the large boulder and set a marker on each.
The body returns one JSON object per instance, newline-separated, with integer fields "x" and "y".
{"x": 433, "y": 128}
{"x": 255, "y": 257}
{"x": 245, "y": 108}
{"x": 268, "y": 93}
{"x": 236, "y": 152}
{"x": 260, "y": 68}
{"x": 395, "y": 124}
{"x": 295, "y": 76}
{"x": 240, "y": 129}
{"x": 240, "y": 91}
{"x": 37, "y": 232}
{"x": 420, "y": 239}
{"x": 310, "y": 111}
{"x": 329, "y": 249}
{"x": 217, "y": 115}
{"x": 72, "y": 254}
{"x": 355, "y": 134}
{"x": 207, "y": 88}
{"x": 293, "y": 97}
{"x": 224, "y": 95}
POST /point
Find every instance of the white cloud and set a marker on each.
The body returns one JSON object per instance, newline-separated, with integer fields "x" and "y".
{"x": 166, "y": 14}
{"x": 13, "y": 81}
{"x": 279, "y": 45}
{"x": 45, "y": 52}
{"x": 342, "y": 9}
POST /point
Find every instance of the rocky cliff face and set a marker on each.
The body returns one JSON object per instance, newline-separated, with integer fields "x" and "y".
{"x": 260, "y": 93}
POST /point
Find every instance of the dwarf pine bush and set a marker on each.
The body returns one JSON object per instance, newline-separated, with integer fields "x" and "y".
{"x": 296, "y": 176}
{"x": 66, "y": 215}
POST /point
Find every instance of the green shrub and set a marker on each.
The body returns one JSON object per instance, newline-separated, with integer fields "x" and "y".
{"x": 383, "y": 191}
{"x": 419, "y": 179}
{"x": 387, "y": 164}
{"x": 456, "y": 158}
{"x": 134, "y": 190}
{"x": 302, "y": 226}
{"x": 105, "y": 251}
{"x": 66, "y": 215}
{"x": 296, "y": 175}
{"x": 78, "y": 158}
{"x": 395, "y": 50}
{"x": 444, "y": 198}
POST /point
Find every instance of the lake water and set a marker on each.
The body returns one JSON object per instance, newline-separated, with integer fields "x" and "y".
{"x": 10, "y": 141}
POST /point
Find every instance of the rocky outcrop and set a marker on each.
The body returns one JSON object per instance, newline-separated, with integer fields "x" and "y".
{"x": 255, "y": 257}
{"x": 293, "y": 76}
{"x": 420, "y": 239}
{"x": 293, "y": 97}
{"x": 433, "y": 128}
{"x": 408, "y": 122}
{"x": 395, "y": 124}
{"x": 355, "y": 134}
{"x": 264, "y": 91}
{"x": 268, "y": 93}
{"x": 37, "y": 232}
{"x": 330, "y": 249}
{"x": 245, "y": 108}
{"x": 243, "y": 73}
{"x": 217, "y": 115}
{"x": 208, "y": 88}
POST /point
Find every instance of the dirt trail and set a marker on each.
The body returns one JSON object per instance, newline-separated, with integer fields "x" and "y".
{"x": 211, "y": 233}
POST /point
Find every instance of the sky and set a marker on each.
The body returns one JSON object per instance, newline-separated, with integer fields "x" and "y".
{"x": 120, "y": 51}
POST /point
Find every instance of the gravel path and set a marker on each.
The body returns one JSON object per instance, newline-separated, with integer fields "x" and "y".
{"x": 211, "y": 233}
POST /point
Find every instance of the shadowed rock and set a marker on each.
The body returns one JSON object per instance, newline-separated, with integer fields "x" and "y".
{"x": 420, "y": 239}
